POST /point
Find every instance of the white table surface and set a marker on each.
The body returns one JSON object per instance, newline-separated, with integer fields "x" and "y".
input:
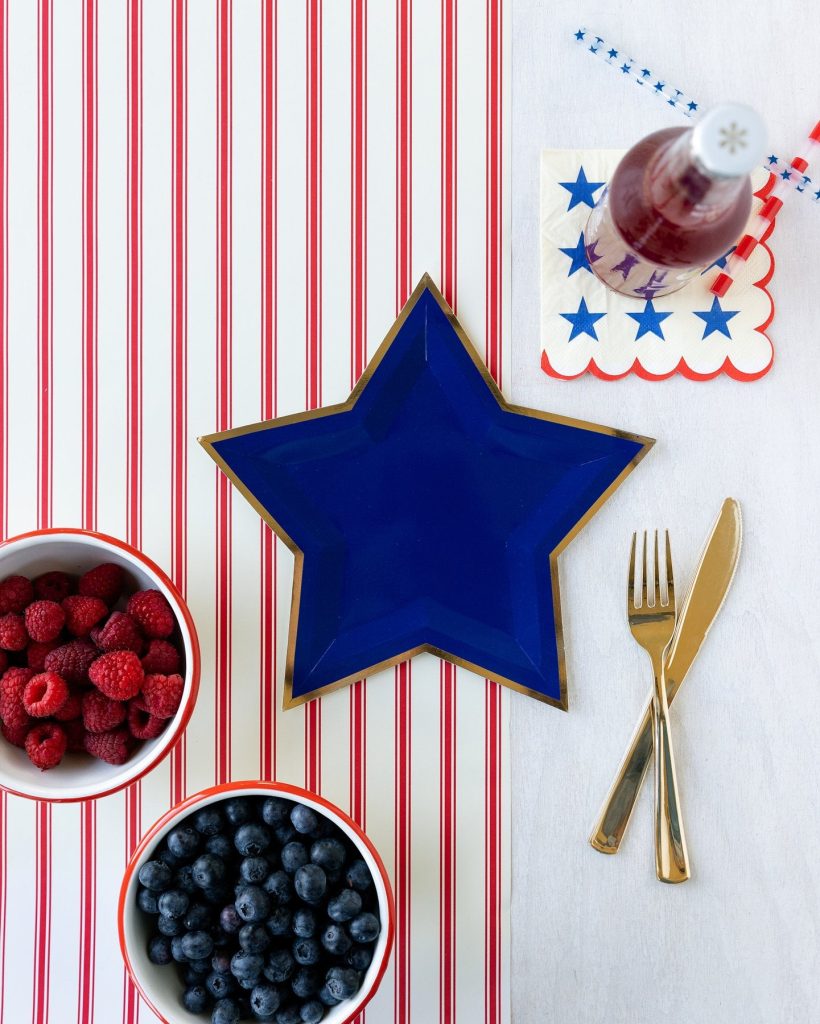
{"x": 598, "y": 939}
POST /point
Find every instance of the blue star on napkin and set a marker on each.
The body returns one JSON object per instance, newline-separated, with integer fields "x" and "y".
{"x": 581, "y": 190}
{"x": 577, "y": 255}
{"x": 583, "y": 322}
{"x": 425, "y": 514}
{"x": 717, "y": 319}
{"x": 649, "y": 321}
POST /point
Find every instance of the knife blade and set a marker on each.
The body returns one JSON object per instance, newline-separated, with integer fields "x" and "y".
{"x": 710, "y": 585}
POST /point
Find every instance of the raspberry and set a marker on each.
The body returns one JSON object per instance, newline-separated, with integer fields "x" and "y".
{"x": 100, "y": 713}
{"x": 72, "y": 709}
{"x": 72, "y": 661}
{"x": 120, "y": 633}
{"x": 83, "y": 613}
{"x": 36, "y": 653}
{"x": 75, "y": 734}
{"x": 104, "y": 581}
{"x": 12, "y": 685}
{"x": 141, "y": 723}
{"x": 15, "y": 593}
{"x": 118, "y": 675}
{"x": 45, "y": 694}
{"x": 161, "y": 657}
{"x": 161, "y": 695}
{"x": 113, "y": 747}
{"x": 152, "y": 613}
{"x": 16, "y": 734}
{"x": 44, "y": 620}
{"x": 45, "y": 745}
{"x": 13, "y": 635}
{"x": 53, "y": 586}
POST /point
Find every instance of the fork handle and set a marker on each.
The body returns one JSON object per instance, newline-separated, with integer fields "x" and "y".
{"x": 671, "y": 857}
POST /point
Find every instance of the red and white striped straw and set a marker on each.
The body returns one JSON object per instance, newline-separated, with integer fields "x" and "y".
{"x": 765, "y": 218}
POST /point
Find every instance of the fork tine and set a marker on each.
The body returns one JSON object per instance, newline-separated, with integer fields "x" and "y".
{"x": 643, "y": 586}
{"x": 670, "y": 582}
{"x": 630, "y": 586}
{"x": 657, "y": 576}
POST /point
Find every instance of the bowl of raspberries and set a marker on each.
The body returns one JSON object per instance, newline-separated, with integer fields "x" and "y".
{"x": 256, "y": 901}
{"x": 99, "y": 664}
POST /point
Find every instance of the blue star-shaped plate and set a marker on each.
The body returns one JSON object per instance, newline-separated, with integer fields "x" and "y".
{"x": 426, "y": 514}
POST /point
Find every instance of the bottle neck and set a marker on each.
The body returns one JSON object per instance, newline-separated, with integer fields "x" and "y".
{"x": 678, "y": 185}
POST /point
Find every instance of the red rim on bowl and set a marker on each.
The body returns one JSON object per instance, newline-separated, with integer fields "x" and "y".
{"x": 258, "y": 787}
{"x": 192, "y": 671}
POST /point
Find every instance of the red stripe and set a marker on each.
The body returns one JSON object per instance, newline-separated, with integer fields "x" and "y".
{"x": 223, "y": 389}
{"x": 179, "y": 333}
{"x": 449, "y": 156}
{"x": 313, "y": 710}
{"x": 4, "y": 437}
{"x": 42, "y": 920}
{"x": 403, "y": 768}
{"x": 130, "y": 1007}
{"x": 494, "y": 325}
{"x": 404, "y": 150}
{"x": 447, "y": 847}
{"x": 88, "y": 811}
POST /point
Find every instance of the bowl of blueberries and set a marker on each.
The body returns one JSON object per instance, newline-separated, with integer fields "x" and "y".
{"x": 256, "y": 901}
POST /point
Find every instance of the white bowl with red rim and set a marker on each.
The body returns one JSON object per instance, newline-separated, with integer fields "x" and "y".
{"x": 80, "y": 776}
{"x": 160, "y": 986}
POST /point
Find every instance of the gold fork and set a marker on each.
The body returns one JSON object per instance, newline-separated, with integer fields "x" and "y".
{"x": 652, "y": 625}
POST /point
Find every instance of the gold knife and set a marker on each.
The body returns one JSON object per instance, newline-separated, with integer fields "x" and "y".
{"x": 710, "y": 585}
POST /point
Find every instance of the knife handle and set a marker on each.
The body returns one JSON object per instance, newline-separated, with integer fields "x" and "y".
{"x": 671, "y": 857}
{"x": 613, "y": 818}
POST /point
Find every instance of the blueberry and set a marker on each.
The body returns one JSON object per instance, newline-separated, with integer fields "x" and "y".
{"x": 306, "y": 952}
{"x": 184, "y": 879}
{"x": 238, "y": 810}
{"x": 168, "y": 858}
{"x": 279, "y": 887}
{"x": 159, "y": 950}
{"x": 197, "y": 945}
{"x": 246, "y": 965}
{"x": 310, "y": 883}
{"x": 173, "y": 903}
{"x": 216, "y": 894}
{"x": 279, "y": 922}
{"x": 345, "y": 906}
{"x": 288, "y": 1015}
{"x": 294, "y": 856}
{"x": 254, "y": 870}
{"x": 252, "y": 903}
{"x": 264, "y": 1001}
{"x": 251, "y": 982}
{"x": 336, "y": 940}
{"x": 225, "y": 1011}
{"x": 342, "y": 982}
{"x": 327, "y": 996}
{"x": 197, "y": 916}
{"x": 285, "y": 833}
{"x": 304, "y": 923}
{"x": 170, "y": 925}
{"x": 221, "y": 962}
{"x": 306, "y": 982}
{"x": 177, "y": 951}
{"x": 155, "y": 875}
{"x": 365, "y": 927}
{"x": 312, "y": 1012}
{"x": 329, "y": 854}
{"x": 358, "y": 876}
{"x": 199, "y": 967}
{"x": 359, "y": 958}
{"x": 254, "y": 938}
{"x": 280, "y": 966}
{"x": 220, "y": 845}
{"x": 220, "y": 985}
{"x": 184, "y": 841}
{"x": 322, "y": 829}
{"x": 147, "y": 901}
{"x": 229, "y": 919}
{"x": 275, "y": 810}
{"x": 220, "y": 938}
{"x": 304, "y": 819}
{"x": 252, "y": 839}
{"x": 196, "y": 999}
{"x": 208, "y": 871}
{"x": 208, "y": 821}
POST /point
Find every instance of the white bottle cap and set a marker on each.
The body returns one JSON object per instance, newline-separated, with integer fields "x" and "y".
{"x": 729, "y": 140}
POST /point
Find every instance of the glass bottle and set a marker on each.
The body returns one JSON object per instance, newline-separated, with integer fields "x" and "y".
{"x": 678, "y": 200}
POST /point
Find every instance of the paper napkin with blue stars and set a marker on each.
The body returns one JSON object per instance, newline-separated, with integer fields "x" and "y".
{"x": 586, "y": 328}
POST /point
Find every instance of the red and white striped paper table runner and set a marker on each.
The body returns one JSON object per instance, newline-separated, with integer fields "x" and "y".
{"x": 211, "y": 213}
